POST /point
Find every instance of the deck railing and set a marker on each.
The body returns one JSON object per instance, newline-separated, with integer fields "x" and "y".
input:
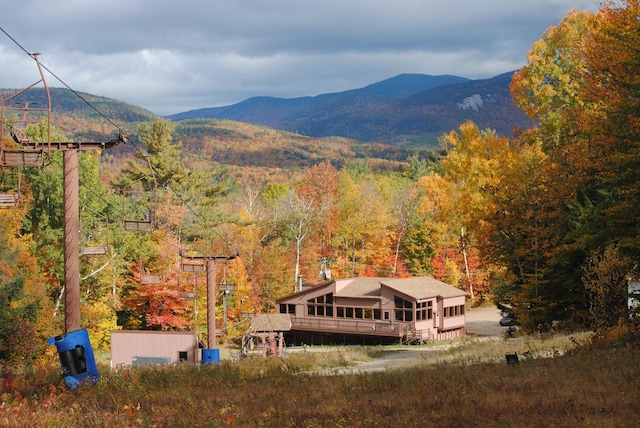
{"x": 332, "y": 325}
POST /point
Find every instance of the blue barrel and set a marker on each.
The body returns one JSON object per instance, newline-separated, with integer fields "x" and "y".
{"x": 210, "y": 356}
{"x": 76, "y": 357}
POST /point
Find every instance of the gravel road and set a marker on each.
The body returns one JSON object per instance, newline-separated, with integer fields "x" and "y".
{"x": 484, "y": 321}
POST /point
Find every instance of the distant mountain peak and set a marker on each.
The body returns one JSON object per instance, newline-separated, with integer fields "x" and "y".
{"x": 404, "y": 107}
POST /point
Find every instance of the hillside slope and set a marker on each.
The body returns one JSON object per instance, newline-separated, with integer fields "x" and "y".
{"x": 407, "y": 109}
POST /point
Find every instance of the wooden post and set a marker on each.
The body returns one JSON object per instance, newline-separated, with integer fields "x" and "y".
{"x": 211, "y": 303}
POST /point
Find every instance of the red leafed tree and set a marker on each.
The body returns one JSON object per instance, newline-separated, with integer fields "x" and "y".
{"x": 156, "y": 306}
{"x": 163, "y": 306}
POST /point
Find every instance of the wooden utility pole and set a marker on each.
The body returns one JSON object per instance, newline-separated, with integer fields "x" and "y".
{"x": 36, "y": 153}
{"x": 71, "y": 209}
{"x": 71, "y": 241}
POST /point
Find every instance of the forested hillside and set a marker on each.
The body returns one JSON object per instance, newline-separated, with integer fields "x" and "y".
{"x": 405, "y": 111}
{"x": 545, "y": 222}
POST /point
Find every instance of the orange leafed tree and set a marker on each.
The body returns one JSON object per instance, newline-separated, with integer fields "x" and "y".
{"x": 25, "y": 311}
{"x": 612, "y": 123}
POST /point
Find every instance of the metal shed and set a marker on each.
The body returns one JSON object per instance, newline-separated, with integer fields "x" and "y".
{"x": 141, "y": 347}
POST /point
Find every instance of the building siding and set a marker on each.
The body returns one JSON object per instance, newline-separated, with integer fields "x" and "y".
{"x": 127, "y": 344}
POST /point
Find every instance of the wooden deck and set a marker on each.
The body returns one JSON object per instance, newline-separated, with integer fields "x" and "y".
{"x": 367, "y": 327}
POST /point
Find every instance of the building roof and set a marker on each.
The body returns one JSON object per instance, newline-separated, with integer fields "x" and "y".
{"x": 417, "y": 287}
{"x": 271, "y": 322}
{"x": 422, "y": 286}
{"x": 358, "y": 287}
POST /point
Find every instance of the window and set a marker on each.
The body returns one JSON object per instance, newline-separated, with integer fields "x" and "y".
{"x": 287, "y": 308}
{"x": 403, "y": 309}
{"x": 424, "y": 310}
{"x": 453, "y": 311}
{"x": 321, "y": 306}
{"x": 357, "y": 313}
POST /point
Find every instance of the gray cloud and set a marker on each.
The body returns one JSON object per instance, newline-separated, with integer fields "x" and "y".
{"x": 171, "y": 56}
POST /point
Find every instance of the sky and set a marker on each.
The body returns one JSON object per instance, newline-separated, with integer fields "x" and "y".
{"x": 171, "y": 56}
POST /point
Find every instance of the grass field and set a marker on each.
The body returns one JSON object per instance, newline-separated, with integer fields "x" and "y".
{"x": 560, "y": 381}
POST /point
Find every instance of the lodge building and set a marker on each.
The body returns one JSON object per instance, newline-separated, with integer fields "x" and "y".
{"x": 375, "y": 311}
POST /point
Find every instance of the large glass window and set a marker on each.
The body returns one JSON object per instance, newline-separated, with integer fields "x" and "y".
{"x": 321, "y": 306}
{"x": 357, "y": 313}
{"x": 424, "y": 310}
{"x": 403, "y": 309}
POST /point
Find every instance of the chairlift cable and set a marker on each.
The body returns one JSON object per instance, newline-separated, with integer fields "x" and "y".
{"x": 65, "y": 84}
{"x": 138, "y": 150}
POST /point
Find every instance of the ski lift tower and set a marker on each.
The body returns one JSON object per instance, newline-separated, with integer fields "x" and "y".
{"x": 209, "y": 263}
{"x": 32, "y": 153}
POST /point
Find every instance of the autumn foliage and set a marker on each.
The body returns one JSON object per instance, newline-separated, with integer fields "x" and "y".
{"x": 530, "y": 222}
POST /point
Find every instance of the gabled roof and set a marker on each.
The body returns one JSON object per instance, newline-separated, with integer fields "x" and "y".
{"x": 422, "y": 286}
{"x": 417, "y": 287}
{"x": 330, "y": 286}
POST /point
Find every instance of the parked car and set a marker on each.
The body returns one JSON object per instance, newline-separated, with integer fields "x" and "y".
{"x": 507, "y": 321}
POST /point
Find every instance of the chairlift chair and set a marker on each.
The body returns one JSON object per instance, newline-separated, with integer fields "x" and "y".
{"x": 9, "y": 199}
{"x": 193, "y": 267}
{"x": 146, "y": 224}
{"x": 149, "y": 223}
{"x": 17, "y": 158}
{"x": 97, "y": 250}
{"x": 192, "y": 263}
{"x": 146, "y": 278}
{"x": 138, "y": 225}
{"x": 17, "y": 112}
{"x": 10, "y": 188}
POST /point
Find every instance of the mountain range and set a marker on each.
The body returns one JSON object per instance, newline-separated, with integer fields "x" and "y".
{"x": 407, "y": 109}
{"x": 407, "y": 113}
